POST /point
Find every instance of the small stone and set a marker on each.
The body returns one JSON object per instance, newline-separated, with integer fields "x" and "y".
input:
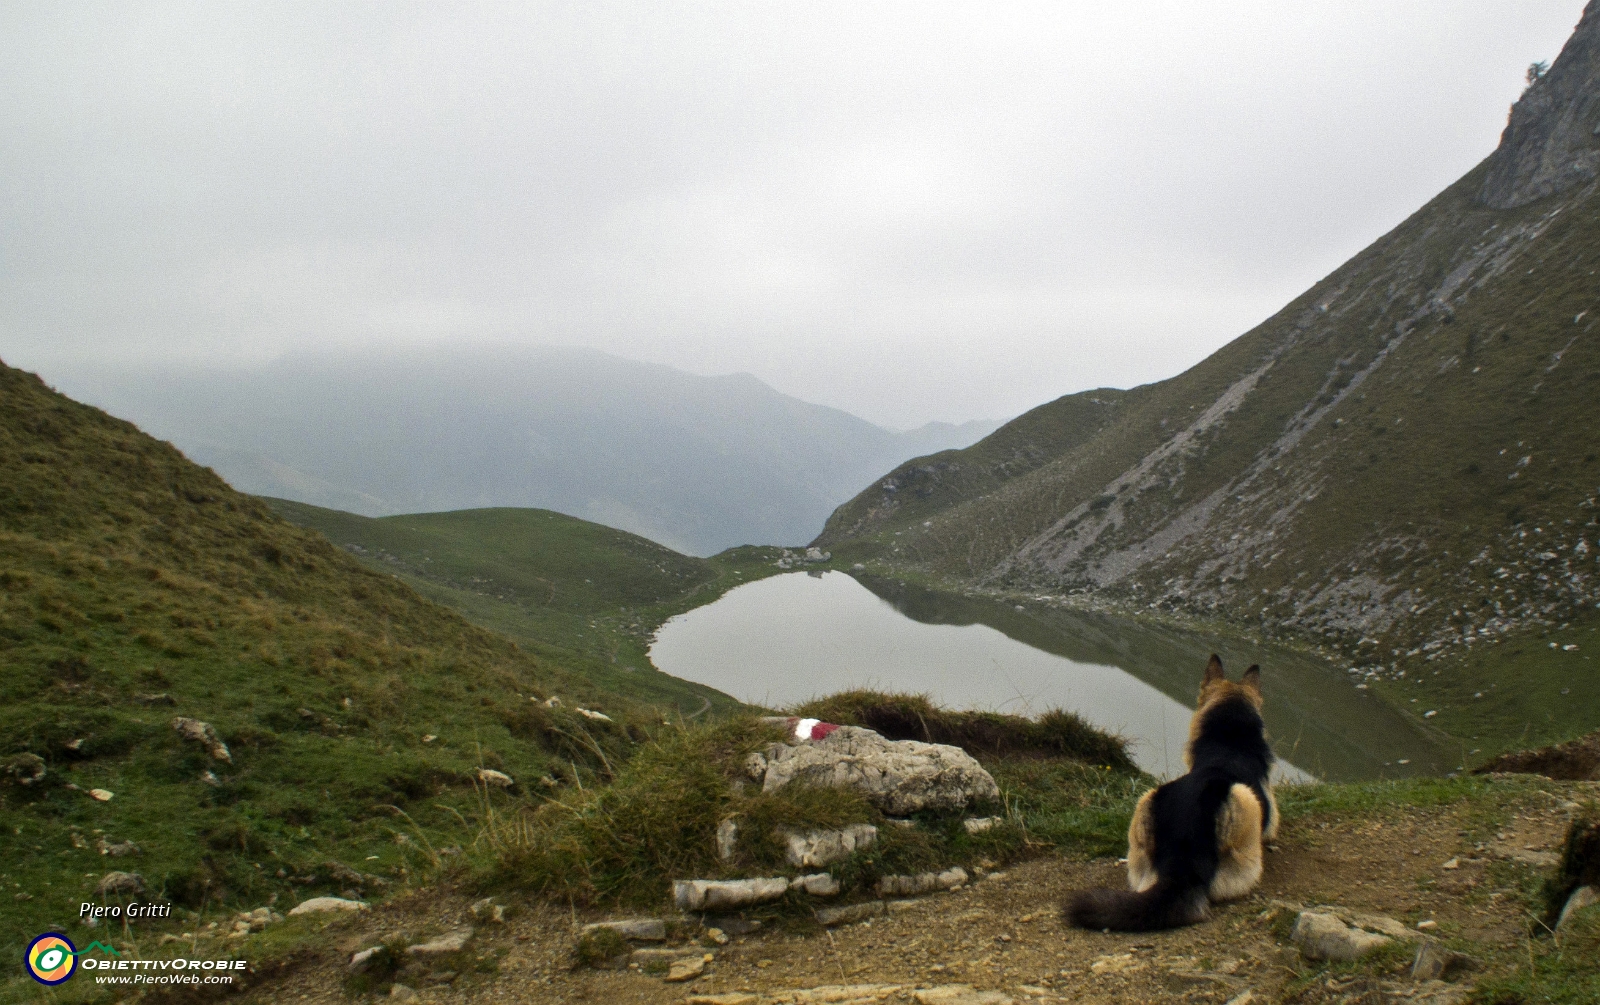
{"x": 714, "y": 894}
{"x": 1427, "y": 925}
{"x": 209, "y": 777}
{"x": 1244, "y": 998}
{"x": 1325, "y": 937}
{"x": 359, "y": 962}
{"x": 1434, "y": 962}
{"x": 591, "y": 714}
{"x": 717, "y": 936}
{"x": 659, "y": 957}
{"x": 1582, "y": 897}
{"x": 204, "y": 734}
{"x": 499, "y": 779}
{"x": 117, "y": 849}
{"x": 120, "y": 884}
{"x": 849, "y": 913}
{"x": 960, "y": 994}
{"x": 735, "y": 924}
{"x": 817, "y": 885}
{"x": 727, "y": 839}
{"x": 486, "y": 910}
{"x": 400, "y": 992}
{"x": 319, "y": 905}
{"x": 731, "y": 998}
{"x": 1454, "y": 863}
{"x": 978, "y": 825}
{"x": 101, "y": 795}
{"x": 686, "y": 969}
{"x": 637, "y": 929}
{"x": 818, "y": 848}
{"x": 1537, "y": 859}
{"x": 1113, "y": 963}
{"x": 925, "y": 882}
{"x": 443, "y": 945}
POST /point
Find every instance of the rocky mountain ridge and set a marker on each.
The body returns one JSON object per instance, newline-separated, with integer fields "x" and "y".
{"x": 1401, "y": 460}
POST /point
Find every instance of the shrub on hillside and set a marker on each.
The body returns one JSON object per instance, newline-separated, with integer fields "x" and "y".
{"x": 1055, "y": 734}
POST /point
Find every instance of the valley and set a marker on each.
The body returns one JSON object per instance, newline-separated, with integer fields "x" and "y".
{"x": 450, "y": 657}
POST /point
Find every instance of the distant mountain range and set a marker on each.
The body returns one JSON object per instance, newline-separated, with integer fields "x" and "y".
{"x": 696, "y": 463}
{"x": 1402, "y": 464}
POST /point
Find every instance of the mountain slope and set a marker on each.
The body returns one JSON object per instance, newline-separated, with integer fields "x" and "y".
{"x": 1401, "y": 461}
{"x": 135, "y": 587}
{"x": 585, "y": 596}
{"x": 699, "y": 464}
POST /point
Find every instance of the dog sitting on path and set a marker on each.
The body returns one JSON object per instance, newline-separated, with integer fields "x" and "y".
{"x": 1197, "y": 838}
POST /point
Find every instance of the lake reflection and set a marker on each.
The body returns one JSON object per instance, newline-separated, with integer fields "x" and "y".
{"x": 783, "y": 640}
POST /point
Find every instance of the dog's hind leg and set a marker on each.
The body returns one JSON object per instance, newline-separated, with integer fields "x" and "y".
{"x": 1238, "y": 845}
{"x": 1141, "y": 847}
{"x": 1270, "y": 831}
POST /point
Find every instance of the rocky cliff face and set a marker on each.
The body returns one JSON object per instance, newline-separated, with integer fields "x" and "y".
{"x": 1402, "y": 459}
{"x": 1553, "y": 139}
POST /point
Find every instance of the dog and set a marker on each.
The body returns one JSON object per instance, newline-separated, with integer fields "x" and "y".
{"x": 1198, "y": 838}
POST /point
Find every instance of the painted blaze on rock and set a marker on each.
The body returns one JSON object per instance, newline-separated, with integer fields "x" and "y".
{"x": 899, "y": 777}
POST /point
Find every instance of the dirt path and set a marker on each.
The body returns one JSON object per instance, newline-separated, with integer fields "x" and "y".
{"x": 1003, "y": 932}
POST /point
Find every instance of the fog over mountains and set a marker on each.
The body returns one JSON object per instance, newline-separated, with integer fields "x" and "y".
{"x": 696, "y": 463}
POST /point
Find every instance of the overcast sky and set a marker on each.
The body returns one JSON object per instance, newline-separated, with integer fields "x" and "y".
{"x": 910, "y": 211}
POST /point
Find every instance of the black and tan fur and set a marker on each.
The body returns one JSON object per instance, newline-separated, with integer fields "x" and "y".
{"x": 1198, "y": 838}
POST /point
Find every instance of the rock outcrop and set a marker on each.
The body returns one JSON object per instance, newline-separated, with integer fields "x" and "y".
{"x": 1326, "y": 937}
{"x": 204, "y": 734}
{"x": 809, "y": 849}
{"x": 1552, "y": 142}
{"x": 899, "y": 777}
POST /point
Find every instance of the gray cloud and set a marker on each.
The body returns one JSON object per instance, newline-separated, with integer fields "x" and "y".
{"x": 910, "y": 211}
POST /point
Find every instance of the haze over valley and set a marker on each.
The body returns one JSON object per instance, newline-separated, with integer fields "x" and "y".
{"x": 697, "y": 463}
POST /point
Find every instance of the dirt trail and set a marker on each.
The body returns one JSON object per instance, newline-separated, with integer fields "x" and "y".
{"x": 1003, "y": 932}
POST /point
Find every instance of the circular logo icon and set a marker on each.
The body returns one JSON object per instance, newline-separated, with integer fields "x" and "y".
{"x": 51, "y": 958}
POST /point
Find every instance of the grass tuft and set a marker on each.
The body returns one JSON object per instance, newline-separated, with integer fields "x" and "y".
{"x": 1055, "y": 734}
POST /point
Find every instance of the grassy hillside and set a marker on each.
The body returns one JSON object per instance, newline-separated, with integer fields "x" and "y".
{"x": 584, "y": 595}
{"x": 1401, "y": 465}
{"x": 135, "y": 587}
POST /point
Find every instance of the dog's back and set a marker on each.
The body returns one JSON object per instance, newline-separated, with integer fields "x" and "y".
{"x": 1197, "y": 838}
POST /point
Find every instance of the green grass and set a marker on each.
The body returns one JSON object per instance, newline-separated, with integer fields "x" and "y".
{"x": 658, "y": 821}
{"x": 587, "y": 596}
{"x": 136, "y": 586}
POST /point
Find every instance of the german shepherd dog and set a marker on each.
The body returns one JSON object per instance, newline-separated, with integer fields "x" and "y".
{"x": 1197, "y": 838}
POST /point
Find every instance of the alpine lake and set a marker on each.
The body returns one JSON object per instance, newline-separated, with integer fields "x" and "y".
{"x": 783, "y": 640}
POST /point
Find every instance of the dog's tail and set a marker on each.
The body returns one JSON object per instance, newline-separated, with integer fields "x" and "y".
{"x": 1164, "y": 905}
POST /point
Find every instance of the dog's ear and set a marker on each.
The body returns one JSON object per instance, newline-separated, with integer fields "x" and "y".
{"x": 1252, "y": 678}
{"x": 1213, "y": 670}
